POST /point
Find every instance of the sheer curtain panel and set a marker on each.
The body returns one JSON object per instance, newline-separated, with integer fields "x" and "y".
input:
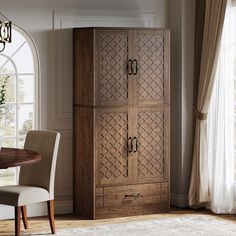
{"x": 221, "y": 122}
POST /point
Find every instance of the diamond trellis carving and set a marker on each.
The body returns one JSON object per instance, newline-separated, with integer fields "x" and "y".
{"x": 113, "y": 161}
{"x": 151, "y": 144}
{"x": 113, "y": 55}
{"x": 150, "y": 75}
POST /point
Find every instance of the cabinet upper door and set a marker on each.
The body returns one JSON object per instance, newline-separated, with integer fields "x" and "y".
{"x": 111, "y": 50}
{"x": 151, "y": 51}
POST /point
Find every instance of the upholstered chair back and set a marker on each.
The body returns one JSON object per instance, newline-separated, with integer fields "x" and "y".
{"x": 41, "y": 174}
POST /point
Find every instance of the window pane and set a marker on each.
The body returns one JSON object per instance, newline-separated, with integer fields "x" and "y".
{"x": 21, "y": 141}
{"x": 26, "y": 89}
{"x": 8, "y": 120}
{"x": 24, "y": 60}
{"x": 6, "y": 67}
{"x": 11, "y": 89}
{"x": 17, "y": 40}
{"x": 26, "y": 117}
{"x": 3, "y": 60}
{"x": 7, "y": 177}
{"x": 9, "y": 142}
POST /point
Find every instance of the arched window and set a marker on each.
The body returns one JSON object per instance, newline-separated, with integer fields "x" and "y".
{"x": 19, "y": 66}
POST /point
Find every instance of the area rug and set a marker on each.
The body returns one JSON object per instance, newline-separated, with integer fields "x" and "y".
{"x": 191, "y": 225}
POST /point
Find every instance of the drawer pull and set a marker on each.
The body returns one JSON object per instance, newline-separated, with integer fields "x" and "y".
{"x": 132, "y": 196}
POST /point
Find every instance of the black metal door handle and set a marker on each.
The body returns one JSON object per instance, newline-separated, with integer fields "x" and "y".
{"x": 130, "y": 145}
{"x": 135, "y": 144}
{"x": 130, "y": 67}
{"x": 135, "y": 67}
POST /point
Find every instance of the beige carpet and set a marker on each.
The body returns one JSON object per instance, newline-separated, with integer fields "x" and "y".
{"x": 190, "y": 225}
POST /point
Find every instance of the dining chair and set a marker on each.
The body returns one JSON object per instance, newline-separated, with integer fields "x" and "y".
{"x": 36, "y": 181}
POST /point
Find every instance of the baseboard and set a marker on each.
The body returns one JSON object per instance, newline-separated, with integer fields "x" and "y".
{"x": 179, "y": 200}
{"x": 63, "y": 205}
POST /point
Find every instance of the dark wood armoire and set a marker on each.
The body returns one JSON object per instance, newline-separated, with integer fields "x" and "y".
{"x": 121, "y": 106}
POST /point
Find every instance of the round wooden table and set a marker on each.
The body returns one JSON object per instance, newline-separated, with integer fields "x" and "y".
{"x": 12, "y": 157}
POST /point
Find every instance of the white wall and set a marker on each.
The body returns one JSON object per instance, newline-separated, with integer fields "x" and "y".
{"x": 41, "y": 20}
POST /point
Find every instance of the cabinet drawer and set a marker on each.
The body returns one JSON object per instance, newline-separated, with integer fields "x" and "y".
{"x": 143, "y": 194}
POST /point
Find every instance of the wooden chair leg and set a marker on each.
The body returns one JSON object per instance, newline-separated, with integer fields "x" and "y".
{"x": 51, "y": 215}
{"x": 17, "y": 221}
{"x": 24, "y": 216}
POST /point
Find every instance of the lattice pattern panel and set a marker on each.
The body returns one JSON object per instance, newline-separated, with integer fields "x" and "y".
{"x": 113, "y": 54}
{"x": 151, "y": 144}
{"x": 150, "y": 75}
{"x": 113, "y": 132}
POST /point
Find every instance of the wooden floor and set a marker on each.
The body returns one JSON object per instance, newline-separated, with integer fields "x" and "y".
{"x": 40, "y": 224}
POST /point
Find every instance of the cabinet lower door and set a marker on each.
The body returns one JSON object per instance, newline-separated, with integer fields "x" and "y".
{"x": 151, "y": 143}
{"x": 112, "y": 156}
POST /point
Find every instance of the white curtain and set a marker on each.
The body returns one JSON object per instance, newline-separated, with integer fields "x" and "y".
{"x": 222, "y": 121}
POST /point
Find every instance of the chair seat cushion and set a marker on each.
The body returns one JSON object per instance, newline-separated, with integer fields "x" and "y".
{"x": 17, "y": 195}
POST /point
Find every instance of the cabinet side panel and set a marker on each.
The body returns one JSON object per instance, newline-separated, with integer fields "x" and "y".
{"x": 83, "y": 67}
{"x": 83, "y": 162}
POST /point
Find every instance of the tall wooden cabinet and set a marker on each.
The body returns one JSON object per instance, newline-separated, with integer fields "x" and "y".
{"x": 121, "y": 121}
